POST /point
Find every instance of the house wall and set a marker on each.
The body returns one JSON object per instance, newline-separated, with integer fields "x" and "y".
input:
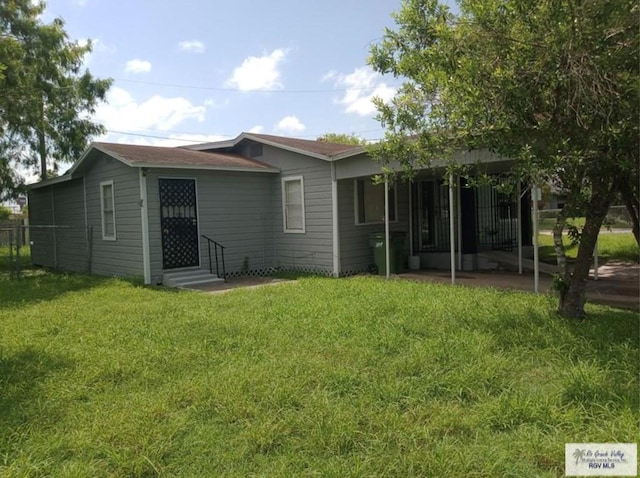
{"x": 122, "y": 257}
{"x": 313, "y": 250}
{"x": 234, "y": 209}
{"x": 65, "y": 246}
{"x": 355, "y": 252}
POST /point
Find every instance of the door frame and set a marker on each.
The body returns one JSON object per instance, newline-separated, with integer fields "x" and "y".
{"x": 195, "y": 184}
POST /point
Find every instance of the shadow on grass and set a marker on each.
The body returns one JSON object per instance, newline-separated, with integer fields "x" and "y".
{"x": 43, "y": 286}
{"x": 21, "y": 378}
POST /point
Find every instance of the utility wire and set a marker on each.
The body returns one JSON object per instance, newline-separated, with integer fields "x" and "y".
{"x": 230, "y": 136}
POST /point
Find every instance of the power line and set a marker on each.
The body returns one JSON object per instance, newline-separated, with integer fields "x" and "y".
{"x": 224, "y": 135}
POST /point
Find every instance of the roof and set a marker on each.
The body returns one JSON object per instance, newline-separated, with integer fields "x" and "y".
{"x": 308, "y": 147}
{"x": 163, "y": 157}
{"x": 312, "y": 146}
{"x": 158, "y": 156}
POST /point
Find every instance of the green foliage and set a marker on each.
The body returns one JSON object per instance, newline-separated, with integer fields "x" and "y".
{"x": 5, "y": 213}
{"x": 45, "y": 96}
{"x": 321, "y": 377}
{"x": 341, "y": 138}
{"x": 553, "y": 85}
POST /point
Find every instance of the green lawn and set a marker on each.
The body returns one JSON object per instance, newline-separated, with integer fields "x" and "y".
{"x": 319, "y": 377}
{"x": 619, "y": 247}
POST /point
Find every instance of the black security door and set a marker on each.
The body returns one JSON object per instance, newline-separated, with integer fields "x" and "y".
{"x": 179, "y": 223}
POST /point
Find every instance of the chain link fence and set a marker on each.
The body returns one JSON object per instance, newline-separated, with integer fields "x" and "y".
{"x": 65, "y": 248}
{"x": 617, "y": 217}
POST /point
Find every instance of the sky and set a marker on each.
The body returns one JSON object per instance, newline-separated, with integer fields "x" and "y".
{"x": 196, "y": 71}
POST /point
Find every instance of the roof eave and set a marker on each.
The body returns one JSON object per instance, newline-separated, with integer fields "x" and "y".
{"x": 50, "y": 182}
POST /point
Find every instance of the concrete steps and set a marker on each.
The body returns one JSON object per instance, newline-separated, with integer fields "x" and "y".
{"x": 185, "y": 278}
{"x": 511, "y": 261}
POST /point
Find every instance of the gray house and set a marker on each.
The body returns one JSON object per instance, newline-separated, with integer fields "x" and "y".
{"x": 271, "y": 202}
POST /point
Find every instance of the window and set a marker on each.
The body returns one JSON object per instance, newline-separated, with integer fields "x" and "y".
{"x": 293, "y": 204}
{"x": 369, "y": 202}
{"x": 107, "y": 206}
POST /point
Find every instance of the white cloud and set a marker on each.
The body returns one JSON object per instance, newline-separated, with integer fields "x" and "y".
{"x": 258, "y": 72}
{"x": 361, "y": 87}
{"x": 123, "y": 113}
{"x": 257, "y": 129}
{"x": 80, "y": 3}
{"x": 193, "y": 46}
{"x": 211, "y": 103}
{"x": 290, "y": 124}
{"x": 138, "y": 66}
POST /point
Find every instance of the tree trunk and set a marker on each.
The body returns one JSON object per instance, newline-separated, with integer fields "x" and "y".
{"x": 560, "y": 284}
{"x": 572, "y": 305}
{"x": 42, "y": 145}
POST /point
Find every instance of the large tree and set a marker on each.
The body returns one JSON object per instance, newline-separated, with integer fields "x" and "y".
{"x": 343, "y": 138}
{"x": 46, "y": 96}
{"x": 553, "y": 85}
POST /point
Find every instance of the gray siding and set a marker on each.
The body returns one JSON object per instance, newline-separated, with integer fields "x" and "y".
{"x": 41, "y": 214}
{"x": 66, "y": 246}
{"x": 312, "y": 250}
{"x": 122, "y": 257}
{"x": 234, "y": 209}
{"x": 355, "y": 252}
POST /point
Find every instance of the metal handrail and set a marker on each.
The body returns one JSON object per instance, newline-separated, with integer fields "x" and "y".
{"x": 216, "y": 245}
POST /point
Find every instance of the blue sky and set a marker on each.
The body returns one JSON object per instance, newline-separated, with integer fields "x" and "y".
{"x": 196, "y": 71}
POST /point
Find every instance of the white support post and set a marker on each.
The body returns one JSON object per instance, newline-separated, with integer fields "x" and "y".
{"x": 452, "y": 230}
{"x": 386, "y": 227}
{"x": 410, "y": 219}
{"x": 459, "y": 209}
{"x": 519, "y": 225}
{"x": 536, "y": 254}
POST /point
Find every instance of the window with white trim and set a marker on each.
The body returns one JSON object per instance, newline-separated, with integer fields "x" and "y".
{"x": 369, "y": 202}
{"x": 293, "y": 204}
{"x": 108, "y": 211}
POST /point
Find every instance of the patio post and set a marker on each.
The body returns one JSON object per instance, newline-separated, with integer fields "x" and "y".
{"x": 410, "y": 219}
{"x": 519, "y": 225}
{"x": 452, "y": 231}
{"x": 386, "y": 225}
{"x": 459, "y": 209}
{"x": 536, "y": 255}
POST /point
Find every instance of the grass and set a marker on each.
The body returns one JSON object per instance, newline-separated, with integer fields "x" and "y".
{"x": 618, "y": 247}
{"x": 319, "y": 377}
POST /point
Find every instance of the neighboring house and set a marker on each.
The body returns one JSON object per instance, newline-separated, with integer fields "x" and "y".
{"x": 273, "y": 202}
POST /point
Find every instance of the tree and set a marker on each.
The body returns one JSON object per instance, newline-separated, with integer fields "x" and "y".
{"x": 341, "y": 138}
{"x": 46, "y": 97}
{"x": 553, "y": 85}
{"x": 5, "y": 213}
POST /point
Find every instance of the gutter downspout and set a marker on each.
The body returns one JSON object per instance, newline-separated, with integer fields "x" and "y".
{"x": 144, "y": 216}
{"x": 335, "y": 221}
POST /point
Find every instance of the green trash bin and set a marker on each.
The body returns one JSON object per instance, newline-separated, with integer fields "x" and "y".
{"x": 396, "y": 251}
